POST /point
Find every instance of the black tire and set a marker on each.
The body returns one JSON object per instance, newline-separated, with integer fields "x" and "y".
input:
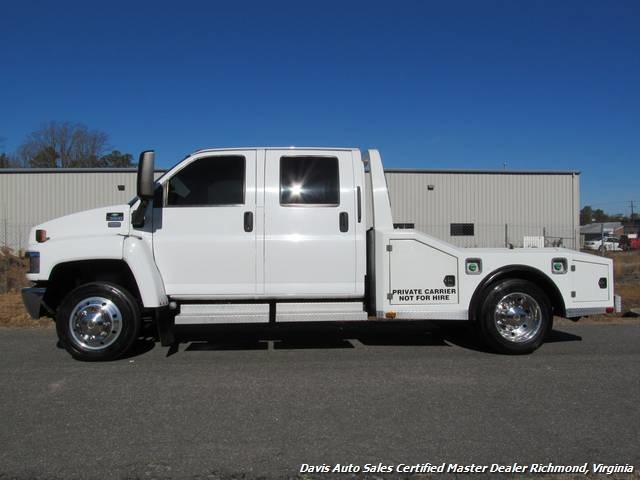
{"x": 515, "y": 316}
{"x": 98, "y": 321}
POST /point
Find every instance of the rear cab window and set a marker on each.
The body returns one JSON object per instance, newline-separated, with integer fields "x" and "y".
{"x": 309, "y": 181}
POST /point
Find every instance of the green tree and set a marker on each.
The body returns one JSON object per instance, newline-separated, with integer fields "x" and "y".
{"x": 45, "y": 158}
{"x": 586, "y": 215}
{"x": 116, "y": 159}
{"x": 5, "y": 161}
{"x": 599, "y": 216}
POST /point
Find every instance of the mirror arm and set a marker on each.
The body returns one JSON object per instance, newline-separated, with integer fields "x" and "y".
{"x": 138, "y": 216}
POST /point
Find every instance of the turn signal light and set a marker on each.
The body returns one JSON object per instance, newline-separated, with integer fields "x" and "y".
{"x": 390, "y": 314}
{"x": 41, "y": 236}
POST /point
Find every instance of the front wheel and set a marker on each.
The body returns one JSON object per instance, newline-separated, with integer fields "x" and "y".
{"x": 515, "y": 316}
{"x": 98, "y": 321}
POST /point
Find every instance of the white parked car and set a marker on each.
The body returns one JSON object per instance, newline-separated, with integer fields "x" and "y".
{"x": 611, "y": 244}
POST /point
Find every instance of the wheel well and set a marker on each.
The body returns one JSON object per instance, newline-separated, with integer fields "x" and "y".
{"x": 521, "y": 272}
{"x": 66, "y": 276}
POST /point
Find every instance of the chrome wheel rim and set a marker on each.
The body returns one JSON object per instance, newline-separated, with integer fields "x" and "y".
{"x": 95, "y": 323}
{"x": 518, "y": 317}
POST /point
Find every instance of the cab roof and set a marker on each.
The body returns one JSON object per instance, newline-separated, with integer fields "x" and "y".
{"x": 290, "y": 147}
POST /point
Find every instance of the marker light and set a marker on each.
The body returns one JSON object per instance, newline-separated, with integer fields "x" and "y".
{"x": 473, "y": 266}
{"x": 41, "y": 236}
{"x": 559, "y": 265}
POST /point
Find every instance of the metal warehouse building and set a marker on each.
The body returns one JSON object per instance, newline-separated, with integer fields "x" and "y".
{"x": 488, "y": 208}
{"x": 466, "y": 208}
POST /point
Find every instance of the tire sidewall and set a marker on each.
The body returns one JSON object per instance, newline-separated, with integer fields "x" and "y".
{"x": 487, "y": 323}
{"x": 129, "y": 310}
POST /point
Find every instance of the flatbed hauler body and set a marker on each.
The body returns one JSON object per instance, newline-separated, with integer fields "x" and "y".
{"x": 259, "y": 235}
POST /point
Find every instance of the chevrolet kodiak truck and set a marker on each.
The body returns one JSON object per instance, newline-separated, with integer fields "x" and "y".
{"x": 275, "y": 235}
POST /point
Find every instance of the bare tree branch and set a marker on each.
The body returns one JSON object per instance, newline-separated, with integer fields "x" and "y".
{"x": 63, "y": 144}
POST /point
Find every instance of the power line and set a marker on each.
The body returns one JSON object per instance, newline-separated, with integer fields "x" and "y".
{"x": 596, "y": 204}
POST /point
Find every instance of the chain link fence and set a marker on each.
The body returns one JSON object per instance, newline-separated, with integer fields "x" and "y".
{"x": 13, "y": 236}
{"x": 12, "y": 271}
{"x": 482, "y": 235}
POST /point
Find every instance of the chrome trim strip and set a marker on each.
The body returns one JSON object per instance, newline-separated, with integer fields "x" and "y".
{"x": 583, "y": 312}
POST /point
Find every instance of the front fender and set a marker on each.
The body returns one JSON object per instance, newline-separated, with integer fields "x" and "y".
{"x": 138, "y": 255}
{"x": 58, "y": 251}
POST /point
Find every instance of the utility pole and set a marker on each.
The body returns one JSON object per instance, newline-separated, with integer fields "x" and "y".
{"x": 631, "y": 204}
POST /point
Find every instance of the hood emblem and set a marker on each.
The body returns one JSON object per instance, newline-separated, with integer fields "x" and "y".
{"x": 115, "y": 217}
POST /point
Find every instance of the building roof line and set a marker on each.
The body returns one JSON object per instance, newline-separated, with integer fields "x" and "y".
{"x": 77, "y": 170}
{"x": 387, "y": 170}
{"x": 482, "y": 172}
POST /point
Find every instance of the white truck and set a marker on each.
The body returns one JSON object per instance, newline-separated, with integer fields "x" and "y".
{"x": 277, "y": 235}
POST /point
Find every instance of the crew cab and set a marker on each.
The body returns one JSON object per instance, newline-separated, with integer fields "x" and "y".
{"x": 281, "y": 235}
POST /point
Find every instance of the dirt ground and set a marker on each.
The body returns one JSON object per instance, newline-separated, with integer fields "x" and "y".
{"x": 13, "y": 314}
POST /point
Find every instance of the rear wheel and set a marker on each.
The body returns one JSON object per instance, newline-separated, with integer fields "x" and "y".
{"x": 515, "y": 316}
{"x": 98, "y": 321}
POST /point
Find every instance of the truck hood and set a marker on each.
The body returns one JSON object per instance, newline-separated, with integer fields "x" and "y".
{"x": 112, "y": 220}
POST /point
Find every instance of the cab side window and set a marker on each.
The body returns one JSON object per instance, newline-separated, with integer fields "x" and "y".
{"x": 309, "y": 181}
{"x": 209, "y": 181}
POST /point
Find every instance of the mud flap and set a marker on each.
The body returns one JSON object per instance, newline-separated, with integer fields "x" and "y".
{"x": 164, "y": 323}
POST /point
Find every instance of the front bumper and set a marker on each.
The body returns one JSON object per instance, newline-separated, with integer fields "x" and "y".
{"x": 32, "y": 299}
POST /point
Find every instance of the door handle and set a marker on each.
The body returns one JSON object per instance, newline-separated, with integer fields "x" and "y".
{"x": 344, "y": 222}
{"x": 248, "y": 221}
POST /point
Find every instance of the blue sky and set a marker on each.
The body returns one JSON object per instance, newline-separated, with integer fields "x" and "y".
{"x": 432, "y": 84}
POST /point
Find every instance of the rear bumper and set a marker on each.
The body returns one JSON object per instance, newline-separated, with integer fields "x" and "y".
{"x": 32, "y": 299}
{"x": 585, "y": 312}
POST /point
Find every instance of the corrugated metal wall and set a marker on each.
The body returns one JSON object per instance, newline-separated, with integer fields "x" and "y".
{"x": 527, "y": 203}
{"x": 500, "y": 205}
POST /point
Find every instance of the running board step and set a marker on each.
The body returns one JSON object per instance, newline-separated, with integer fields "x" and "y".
{"x": 202, "y": 314}
{"x": 320, "y": 312}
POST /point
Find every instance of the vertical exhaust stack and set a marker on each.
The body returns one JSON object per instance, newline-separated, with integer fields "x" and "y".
{"x": 382, "y": 219}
